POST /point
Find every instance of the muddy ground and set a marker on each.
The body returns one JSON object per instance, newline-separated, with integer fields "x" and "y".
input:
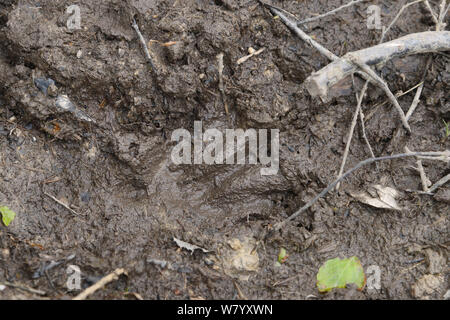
{"x": 108, "y": 159}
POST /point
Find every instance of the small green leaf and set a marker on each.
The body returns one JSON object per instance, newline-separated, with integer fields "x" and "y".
{"x": 282, "y": 256}
{"x": 337, "y": 273}
{"x": 7, "y": 215}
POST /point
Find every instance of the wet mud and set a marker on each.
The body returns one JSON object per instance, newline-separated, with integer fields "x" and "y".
{"x": 86, "y": 120}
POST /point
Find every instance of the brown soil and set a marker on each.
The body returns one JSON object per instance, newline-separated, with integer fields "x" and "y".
{"x": 116, "y": 171}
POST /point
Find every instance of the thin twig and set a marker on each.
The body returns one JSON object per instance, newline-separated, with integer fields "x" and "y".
{"x": 418, "y": 94}
{"x": 352, "y": 128}
{"x": 386, "y": 30}
{"x": 363, "y": 129}
{"x": 100, "y": 284}
{"x": 62, "y": 203}
{"x": 420, "y": 169}
{"x": 442, "y": 13}
{"x": 440, "y": 183}
{"x": 144, "y": 44}
{"x": 433, "y": 15}
{"x": 280, "y": 225}
{"x": 416, "y": 100}
{"x": 382, "y": 84}
{"x": 363, "y": 91}
{"x": 329, "y": 13}
{"x": 300, "y": 33}
{"x": 22, "y": 287}
{"x": 221, "y": 87}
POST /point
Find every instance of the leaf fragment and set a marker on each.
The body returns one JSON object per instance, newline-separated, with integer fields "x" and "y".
{"x": 7, "y": 215}
{"x": 378, "y": 196}
{"x": 282, "y": 256}
{"x": 337, "y": 273}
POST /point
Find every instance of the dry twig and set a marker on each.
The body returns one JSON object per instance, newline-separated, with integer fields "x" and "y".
{"x": 221, "y": 87}
{"x": 144, "y": 45}
{"x": 22, "y": 287}
{"x": 100, "y": 284}
{"x": 329, "y": 13}
{"x": 62, "y": 203}
{"x": 352, "y": 128}
{"x": 300, "y": 33}
{"x": 439, "y": 184}
{"x": 386, "y": 30}
{"x": 319, "y": 82}
{"x": 420, "y": 169}
{"x": 382, "y": 84}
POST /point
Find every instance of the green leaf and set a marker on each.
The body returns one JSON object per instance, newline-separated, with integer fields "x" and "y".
{"x": 7, "y": 215}
{"x": 282, "y": 256}
{"x": 337, "y": 273}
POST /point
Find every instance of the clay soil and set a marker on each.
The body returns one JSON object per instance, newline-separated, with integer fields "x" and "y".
{"x": 109, "y": 160}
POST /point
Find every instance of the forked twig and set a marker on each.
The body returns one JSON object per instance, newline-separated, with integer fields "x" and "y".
{"x": 433, "y": 15}
{"x": 386, "y": 30}
{"x": 382, "y": 84}
{"x": 421, "y": 170}
{"x": 319, "y": 82}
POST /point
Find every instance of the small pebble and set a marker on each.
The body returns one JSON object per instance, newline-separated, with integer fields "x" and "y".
{"x": 43, "y": 84}
{"x": 79, "y": 54}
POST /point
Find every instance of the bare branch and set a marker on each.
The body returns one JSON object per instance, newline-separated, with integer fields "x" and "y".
{"x": 319, "y": 82}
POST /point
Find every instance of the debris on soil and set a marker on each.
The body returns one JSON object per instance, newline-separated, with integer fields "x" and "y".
{"x": 100, "y": 284}
{"x": 436, "y": 260}
{"x": 378, "y": 196}
{"x": 107, "y": 148}
{"x": 63, "y": 102}
{"x": 239, "y": 258}
{"x": 252, "y": 52}
{"x": 44, "y": 85}
{"x": 427, "y": 286}
{"x": 45, "y": 267}
{"x": 188, "y": 246}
